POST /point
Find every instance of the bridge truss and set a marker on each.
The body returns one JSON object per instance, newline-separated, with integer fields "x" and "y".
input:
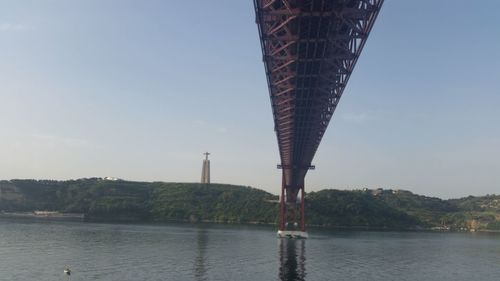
{"x": 310, "y": 48}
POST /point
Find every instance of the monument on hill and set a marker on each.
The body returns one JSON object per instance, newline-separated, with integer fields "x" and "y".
{"x": 205, "y": 171}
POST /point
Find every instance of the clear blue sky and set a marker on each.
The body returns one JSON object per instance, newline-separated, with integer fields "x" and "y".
{"x": 140, "y": 89}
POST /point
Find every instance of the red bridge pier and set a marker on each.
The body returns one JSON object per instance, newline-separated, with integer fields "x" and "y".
{"x": 292, "y": 211}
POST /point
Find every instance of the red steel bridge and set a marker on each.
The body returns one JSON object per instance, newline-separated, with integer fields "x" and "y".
{"x": 310, "y": 48}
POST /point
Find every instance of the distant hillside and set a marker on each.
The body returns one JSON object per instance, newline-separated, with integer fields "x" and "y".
{"x": 335, "y": 208}
{"x": 103, "y": 199}
{"x": 477, "y": 212}
{"x": 116, "y": 200}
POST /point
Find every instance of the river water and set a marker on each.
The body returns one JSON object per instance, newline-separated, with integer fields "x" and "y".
{"x": 40, "y": 250}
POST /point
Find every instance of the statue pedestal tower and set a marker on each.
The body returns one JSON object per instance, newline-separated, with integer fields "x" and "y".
{"x": 205, "y": 171}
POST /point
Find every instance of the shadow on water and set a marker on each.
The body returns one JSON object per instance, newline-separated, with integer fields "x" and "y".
{"x": 292, "y": 259}
{"x": 200, "y": 270}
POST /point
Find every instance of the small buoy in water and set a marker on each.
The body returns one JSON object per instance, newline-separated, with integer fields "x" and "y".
{"x": 67, "y": 271}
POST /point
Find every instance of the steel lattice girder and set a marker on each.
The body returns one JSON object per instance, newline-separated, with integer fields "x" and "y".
{"x": 310, "y": 48}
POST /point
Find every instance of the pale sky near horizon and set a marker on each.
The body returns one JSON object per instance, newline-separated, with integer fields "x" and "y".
{"x": 140, "y": 89}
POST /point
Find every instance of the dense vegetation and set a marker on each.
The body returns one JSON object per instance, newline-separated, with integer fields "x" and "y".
{"x": 354, "y": 209}
{"x": 101, "y": 199}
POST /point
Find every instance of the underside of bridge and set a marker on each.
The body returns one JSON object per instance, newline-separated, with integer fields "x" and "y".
{"x": 310, "y": 48}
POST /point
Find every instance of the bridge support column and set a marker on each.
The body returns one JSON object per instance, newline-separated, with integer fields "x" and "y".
{"x": 291, "y": 215}
{"x": 302, "y": 210}
{"x": 282, "y": 218}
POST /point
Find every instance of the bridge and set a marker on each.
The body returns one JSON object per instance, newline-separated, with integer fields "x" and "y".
{"x": 310, "y": 48}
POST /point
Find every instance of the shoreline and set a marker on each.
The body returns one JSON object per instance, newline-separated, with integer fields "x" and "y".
{"x": 80, "y": 217}
{"x": 43, "y": 215}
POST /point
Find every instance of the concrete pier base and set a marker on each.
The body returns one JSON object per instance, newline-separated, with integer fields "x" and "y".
{"x": 292, "y": 234}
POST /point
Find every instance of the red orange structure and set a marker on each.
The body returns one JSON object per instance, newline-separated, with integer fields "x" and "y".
{"x": 310, "y": 48}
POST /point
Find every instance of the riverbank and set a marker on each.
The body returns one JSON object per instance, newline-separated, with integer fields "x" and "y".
{"x": 43, "y": 215}
{"x": 30, "y": 216}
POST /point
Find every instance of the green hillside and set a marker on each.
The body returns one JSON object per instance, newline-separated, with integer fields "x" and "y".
{"x": 125, "y": 200}
{"x": 109, "y": 200}
{"x": 354, "y": 209}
